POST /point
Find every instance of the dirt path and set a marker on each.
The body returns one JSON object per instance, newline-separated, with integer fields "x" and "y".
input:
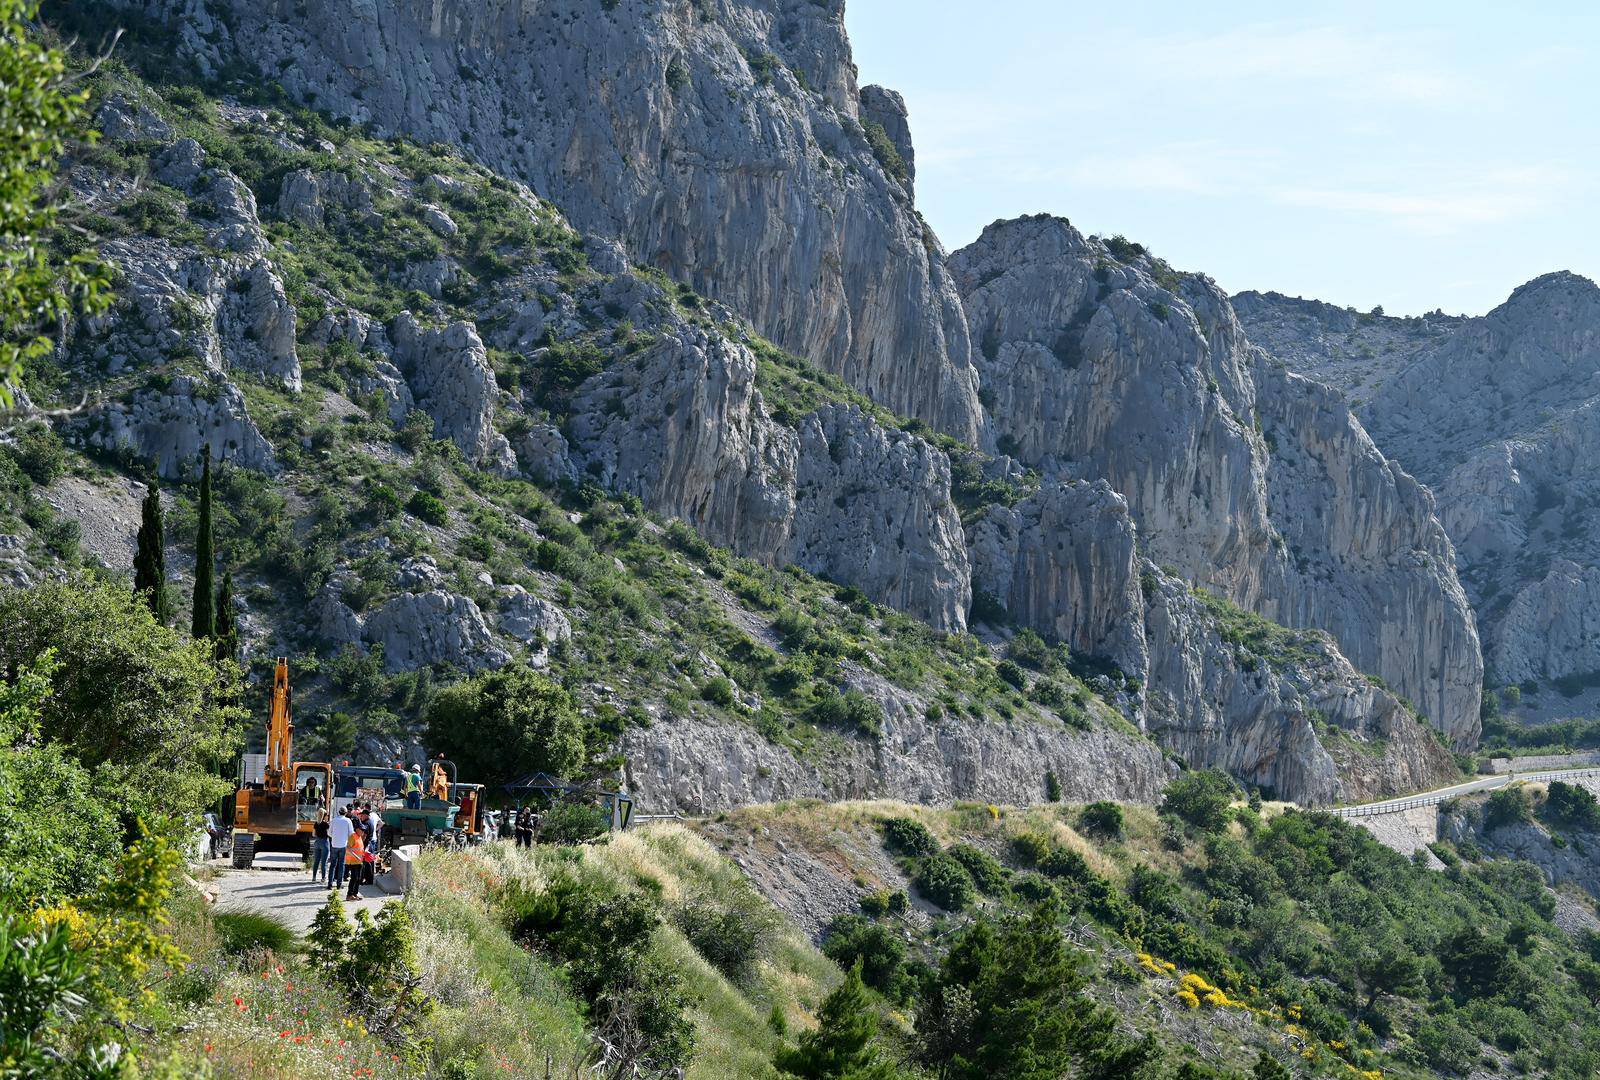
{"x": 278, "y": 885}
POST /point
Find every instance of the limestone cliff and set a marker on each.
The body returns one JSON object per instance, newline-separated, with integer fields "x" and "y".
{"x": 722, "y": 141}
{"x": 684, "y": 427}
{"x": 1104, "y": 363}
{"x": 1501, "y": 415}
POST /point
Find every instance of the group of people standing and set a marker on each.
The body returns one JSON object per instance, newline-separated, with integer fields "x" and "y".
{"x": 345, "y": 849}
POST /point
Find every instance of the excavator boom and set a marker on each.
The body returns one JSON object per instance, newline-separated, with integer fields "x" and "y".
{"x": 280, "y": 733}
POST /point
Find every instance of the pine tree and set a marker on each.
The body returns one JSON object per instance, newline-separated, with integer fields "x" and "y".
{"x": 227, "y": 642}
{"x": 841, "y": 1046}
{"x": 205, "y": 615}
{"x": 150, "y": 561}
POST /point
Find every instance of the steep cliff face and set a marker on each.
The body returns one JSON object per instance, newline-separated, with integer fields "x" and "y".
{"x": 1241, "y": 477}
{"x": 1279, "y": 708}
{"x": 1501, "y": 415}
{"x": 685, "y": 429}
{"x": 700, "y": 767}
{"x": 721, "y": 141}
{"x": 1065, "y": 562}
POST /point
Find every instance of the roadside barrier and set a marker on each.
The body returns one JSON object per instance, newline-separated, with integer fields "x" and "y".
{"x": 1434, "y": 798}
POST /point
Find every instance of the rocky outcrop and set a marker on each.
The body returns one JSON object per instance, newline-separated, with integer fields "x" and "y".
{"x": 1501, "y": 414}
{"x": 256, "y": 324}
{"x": 1574, "y": 859}
{"x": 775, "y": 205}
{"x": 1507, "y": 373}
{"x": 683, "y": 427}
{"x": 1064, "y": 561}
{"x": 169, "y": 426}
{"x": 1372, "y": 564}
{"x": 700, "y": 766}
{"x": 448, "y": 373}
{"x": 414, "y": 629}
{"x": 1348, "y": 350}
{"x": 1105, "y": 363}
{"x": 1280, "y": 709}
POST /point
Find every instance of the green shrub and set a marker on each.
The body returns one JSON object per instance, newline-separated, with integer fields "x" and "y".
{"x": 1201, "y": 798}
{"x": 732, "y": 939}
{"x": 241, "y": 931}
{"x": 985, "y": 870}
{"x": 1030, "y": 848}
{"x": 1508, "y": 806}
{"x": 428, "y": 508}
{"x": 906, "y": 836}
{"x": 1010, "y": 673}
{"x": 884, "y": 149}
{"x": 1052, "y": 786}
{"x": 39, "y": 453}
{"x": 718, "y": 691}
{"x": 851, "y": 939}
{"x": 1103, "y": 818}
{"x": 572, "y": 823}
{"x": 945, "y": 882}
{"x": 1570, "y": 806}
{"x": 1034, "y": 888}
{"x": 884, "y": 902}
{"x": 851, "y": 710}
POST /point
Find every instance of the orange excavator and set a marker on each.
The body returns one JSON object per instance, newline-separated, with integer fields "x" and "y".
{"x": 279, "y": 800}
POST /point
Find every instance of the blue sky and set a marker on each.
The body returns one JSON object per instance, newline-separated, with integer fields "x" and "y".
{"x": 1414, "y": 155}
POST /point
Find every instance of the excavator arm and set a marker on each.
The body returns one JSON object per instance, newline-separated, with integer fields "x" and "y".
{"x": 280, "y": 734}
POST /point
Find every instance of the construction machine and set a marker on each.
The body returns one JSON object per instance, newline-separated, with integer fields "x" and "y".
{"x": 279, "y": 800}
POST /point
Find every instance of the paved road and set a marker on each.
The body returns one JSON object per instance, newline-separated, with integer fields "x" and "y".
{"x": 278, "y": 885}
{"x": 1439, "y": 795}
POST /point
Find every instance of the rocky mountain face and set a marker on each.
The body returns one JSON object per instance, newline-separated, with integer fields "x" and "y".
{"x": 721, "y": 140}
{"x": 1498, "y": 415}
{"x": 1137, "y": 481}
{"x": 1103, "y": 363}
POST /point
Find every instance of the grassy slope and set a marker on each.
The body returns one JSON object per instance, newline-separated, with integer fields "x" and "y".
{"x": 499, "y": 1009}
{"x": 1280, "y": 908}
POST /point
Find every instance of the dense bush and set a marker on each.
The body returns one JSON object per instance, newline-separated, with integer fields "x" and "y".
{"x": 732, "y": 937}
{"x": 506, "y": 724}
{"x": 852, "y": 939}
{"x": 1510, "y": 805}
{"x": 636, "y": 1001}
{"x": 39, "y": 453}
{"x": 884, "y": 902}
{"x": 572, "y": 823}
{"x": 1572, "y": 807}
{"x": 1101, "y": 818}
{"x": 429, "y": 508}
{"x": 944, "y": 881}
{"x": 906, "y": 836}
{"x": 1201, "y": 798}
{"x": 984, "y": 869}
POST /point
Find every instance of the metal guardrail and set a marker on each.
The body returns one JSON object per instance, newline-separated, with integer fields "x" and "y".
{"x": 1437, "y": 797}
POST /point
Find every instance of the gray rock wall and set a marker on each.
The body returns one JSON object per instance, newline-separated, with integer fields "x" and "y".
{"x": 1239, "y": 476}
{"x": 726, "y": 150}
{"x": 684, "y": 427}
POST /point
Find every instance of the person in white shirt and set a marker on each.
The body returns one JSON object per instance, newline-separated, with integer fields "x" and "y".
{"x": 339, "y": 830}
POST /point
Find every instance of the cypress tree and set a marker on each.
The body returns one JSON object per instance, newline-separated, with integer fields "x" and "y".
{"x": 205, "y": 615}
{"x": 150, "y": 561}
{"x": 227, "y": 645}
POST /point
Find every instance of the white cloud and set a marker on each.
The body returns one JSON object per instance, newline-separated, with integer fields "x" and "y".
{"x": 1447, "y": 206}
{"x": 1366, "y": 66}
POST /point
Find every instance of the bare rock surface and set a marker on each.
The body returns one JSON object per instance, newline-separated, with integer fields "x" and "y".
{"x": 1106, "y": 364}
{"x": 777, "y": 206}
